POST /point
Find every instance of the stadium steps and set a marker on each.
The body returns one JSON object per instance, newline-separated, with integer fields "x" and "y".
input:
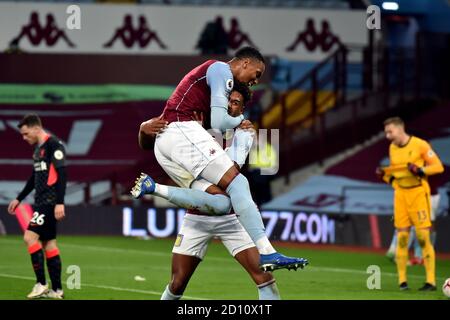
{"x": 299, "y": 108}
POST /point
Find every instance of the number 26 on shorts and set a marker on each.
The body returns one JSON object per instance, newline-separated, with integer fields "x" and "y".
{"x": 38, "y": 218}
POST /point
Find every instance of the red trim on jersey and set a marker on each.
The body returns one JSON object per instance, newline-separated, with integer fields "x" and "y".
{"x": 52, "y": 175}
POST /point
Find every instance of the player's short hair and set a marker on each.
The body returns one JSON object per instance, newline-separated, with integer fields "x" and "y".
{"x": 395, "y": 121}
{"x": 249, "y": 52}
{"x": 243, "y": 89}
{"x": 30, "y": 120}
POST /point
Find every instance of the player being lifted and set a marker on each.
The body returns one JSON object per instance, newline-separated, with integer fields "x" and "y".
{"x": 411, "y": 161}
{"x": 49, "y": 181}
{"x": 186, "y": 151}
{"x": 198, "y": 228}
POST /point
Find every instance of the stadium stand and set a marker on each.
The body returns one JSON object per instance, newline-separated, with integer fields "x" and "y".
{"x": 324, "y": 4}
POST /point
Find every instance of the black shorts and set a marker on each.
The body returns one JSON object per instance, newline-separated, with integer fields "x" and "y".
{"x": 43, "y": 222}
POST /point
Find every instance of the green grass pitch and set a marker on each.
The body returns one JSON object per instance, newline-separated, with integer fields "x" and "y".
{"x": 109, "y": 265}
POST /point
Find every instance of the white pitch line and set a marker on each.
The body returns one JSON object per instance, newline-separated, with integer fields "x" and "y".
{"x": 155, "y": 293}
{"x": 118, "y": 250}
{"x": 222, "y": 259}
{"x": 343, "y": 270}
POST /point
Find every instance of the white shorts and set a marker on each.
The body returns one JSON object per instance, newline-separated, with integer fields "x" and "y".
{"x": 184, "y": 149}
{"x": 197, "y": 230}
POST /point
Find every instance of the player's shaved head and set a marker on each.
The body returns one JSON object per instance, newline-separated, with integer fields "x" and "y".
{"x": 249, "y": 52}
{"x": 248, "y": 66}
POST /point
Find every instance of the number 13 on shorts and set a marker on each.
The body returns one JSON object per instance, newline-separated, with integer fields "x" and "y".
{"x": 422, "y": 215}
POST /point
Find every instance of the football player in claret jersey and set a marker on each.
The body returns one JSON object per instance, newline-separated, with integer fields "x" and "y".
{"x": 200, "y": 225}
{"x": 48, "y": 179}
{"x": 187, "y": 152}
{"x": 415, "y": 160}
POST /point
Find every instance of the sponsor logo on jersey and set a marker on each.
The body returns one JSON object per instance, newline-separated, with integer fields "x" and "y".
{"x": 40, "y": 166}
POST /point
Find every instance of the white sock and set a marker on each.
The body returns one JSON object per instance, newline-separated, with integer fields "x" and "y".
{"x": 269, "y": 291}
{"x": 161, "y": 191}
{"x": 264, "y": 246}
{"x": 393, "y": 245}
{"x": 167, "y": 295}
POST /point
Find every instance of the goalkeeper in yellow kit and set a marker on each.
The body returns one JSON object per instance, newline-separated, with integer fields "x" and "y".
{"x": 411, "y": 161}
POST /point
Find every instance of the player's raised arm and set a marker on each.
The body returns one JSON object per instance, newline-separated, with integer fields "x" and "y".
{"x": 220, "y": 80}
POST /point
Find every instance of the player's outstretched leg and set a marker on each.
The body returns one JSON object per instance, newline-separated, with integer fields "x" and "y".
{"x": 251, "y": 219}
{"x": 237, "y": 187}
{"x": 216, "y": 204}
{"x": 220, "y": 204}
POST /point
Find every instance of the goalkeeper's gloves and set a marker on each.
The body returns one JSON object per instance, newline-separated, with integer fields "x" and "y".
{"x": 416, "y": 170}
{"x": 379, "y": 172}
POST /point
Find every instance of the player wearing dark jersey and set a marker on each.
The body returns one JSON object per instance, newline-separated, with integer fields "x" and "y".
{"x": 48, "y": 179}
